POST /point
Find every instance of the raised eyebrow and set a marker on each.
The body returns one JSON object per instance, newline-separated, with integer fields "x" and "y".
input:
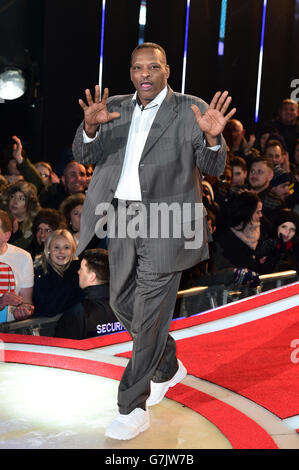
{"x": 138, "y": 64}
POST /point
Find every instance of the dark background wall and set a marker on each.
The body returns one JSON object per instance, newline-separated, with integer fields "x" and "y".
{"x": 59, "y": 43}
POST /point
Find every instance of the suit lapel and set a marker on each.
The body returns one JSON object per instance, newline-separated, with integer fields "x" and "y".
{"x": 123, "y": 127}
{"x": 164, "y": 118}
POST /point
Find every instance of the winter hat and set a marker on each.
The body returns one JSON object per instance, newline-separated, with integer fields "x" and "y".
{"x": 280, "y": 176}
{"x": 51, "y": 217}
{"x": 286, "y": 215}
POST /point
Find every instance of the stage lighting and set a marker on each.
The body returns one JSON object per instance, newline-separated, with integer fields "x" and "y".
{"x": 12, "y": 84}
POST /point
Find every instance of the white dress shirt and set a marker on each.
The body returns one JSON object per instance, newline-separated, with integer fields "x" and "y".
{"x": 128, "y": 187}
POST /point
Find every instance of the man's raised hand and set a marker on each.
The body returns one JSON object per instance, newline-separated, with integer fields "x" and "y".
{"x": 95, "y": 111}
{"x": 214, "y": 120}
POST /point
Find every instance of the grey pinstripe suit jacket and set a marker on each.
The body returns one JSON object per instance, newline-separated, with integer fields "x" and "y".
{"x": 170, "y": 170}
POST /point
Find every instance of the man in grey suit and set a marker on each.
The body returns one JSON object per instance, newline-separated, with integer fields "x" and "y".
{"x": 149, "y": 148}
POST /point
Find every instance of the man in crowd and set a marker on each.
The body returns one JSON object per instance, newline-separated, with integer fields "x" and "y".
{"x": 93, "y": 316}
{"x": 239, "y": 171}
{"x": 260, "y": 175}
{"x": 234, "y": 134}
{"x": 73, "y": 179}
{"x": 287, "y": 123}
{"x": 281, "y": 182}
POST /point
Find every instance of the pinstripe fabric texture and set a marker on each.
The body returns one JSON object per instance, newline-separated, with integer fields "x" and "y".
{"x": 170, "y": 169}
{"x": 143, "y": 301}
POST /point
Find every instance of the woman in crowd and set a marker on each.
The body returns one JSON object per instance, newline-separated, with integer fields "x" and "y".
{"x": 56, "y": 281}
{"x": 46, "y": 221}
{"x": 236, "y": 243}
{"x": 281, "y": 252}
{"x": 20, "y": 201}
{"x": 71, "y": 208}
{"x": 46, "y": 173}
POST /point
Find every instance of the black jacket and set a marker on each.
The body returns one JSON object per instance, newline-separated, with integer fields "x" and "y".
{"x": 231, "y": 251}
{"x": 91, "y": 317}
{"x": 52, "y": 293}
{"x": 53, "y": 196}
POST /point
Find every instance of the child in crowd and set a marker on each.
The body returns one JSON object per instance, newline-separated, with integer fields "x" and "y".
{"x": 56, "y": 282}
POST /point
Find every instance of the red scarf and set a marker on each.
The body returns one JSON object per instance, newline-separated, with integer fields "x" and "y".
{"x": 287, "y": 246}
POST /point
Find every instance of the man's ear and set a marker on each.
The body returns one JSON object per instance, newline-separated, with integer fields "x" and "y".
{"x": 168, "y": 71}
{"x": 92, "y": 277}
{"x": 63, "y": 179}
{"x": 271, "y": 174}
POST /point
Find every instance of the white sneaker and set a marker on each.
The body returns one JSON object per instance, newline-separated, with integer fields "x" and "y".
{"x": 127, "y": 427}
{"x": 158, "y": 390}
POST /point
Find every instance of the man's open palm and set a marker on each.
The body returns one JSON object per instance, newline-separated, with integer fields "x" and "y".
{"x": 95, "y": 111}
{"x": 214, "y": 120}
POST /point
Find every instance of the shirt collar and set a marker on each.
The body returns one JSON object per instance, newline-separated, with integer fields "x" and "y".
{"x": 157, "y": 101}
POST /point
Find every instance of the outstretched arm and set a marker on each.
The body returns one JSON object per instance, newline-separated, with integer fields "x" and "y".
{"x": 214, "y": 120}
{"x": 95, "y": 111}
{"x": 24, "y": 165}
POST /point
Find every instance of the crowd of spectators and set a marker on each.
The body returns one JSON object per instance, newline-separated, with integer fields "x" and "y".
{"x": 254, "y": 206}
{"x": 253, "y": 216}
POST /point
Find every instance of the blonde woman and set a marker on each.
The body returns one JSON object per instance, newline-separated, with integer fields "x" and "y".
{"x": 20, "y": 201}
{"x": 46, "y": 173}
{"x": 56, "y": 280}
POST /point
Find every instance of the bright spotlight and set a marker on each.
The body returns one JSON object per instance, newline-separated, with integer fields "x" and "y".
{"x": 12, "y": 84}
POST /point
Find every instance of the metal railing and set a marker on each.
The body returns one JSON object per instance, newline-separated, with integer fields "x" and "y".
{"x": 31, "y": 326}
{"x": 189, "y": 302}
{"x": 264, "y": 278}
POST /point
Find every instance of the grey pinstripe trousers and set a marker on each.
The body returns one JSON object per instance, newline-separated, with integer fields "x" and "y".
{"x": 143, "y": 301}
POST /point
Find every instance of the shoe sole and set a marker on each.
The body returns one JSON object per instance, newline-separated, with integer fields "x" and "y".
{"x": 140, "y": 430}
{"x": 174, "y": 381}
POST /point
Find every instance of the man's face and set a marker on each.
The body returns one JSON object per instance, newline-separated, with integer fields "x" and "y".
{"x": 84, "y": 275}
{"x": 74, "y": 178}
{"x": 282, "y": 190}
{"x": 275, "y": 153}
{"x": 260, "y": 176}
{"x": 149, "y": 73}
{"x": 237, "y": 132}
{"x": 289, "y": 113}
{"x": 239, "y": 176}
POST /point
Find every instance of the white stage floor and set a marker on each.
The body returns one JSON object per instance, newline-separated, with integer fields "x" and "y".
{"x": 44, "y": 407}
